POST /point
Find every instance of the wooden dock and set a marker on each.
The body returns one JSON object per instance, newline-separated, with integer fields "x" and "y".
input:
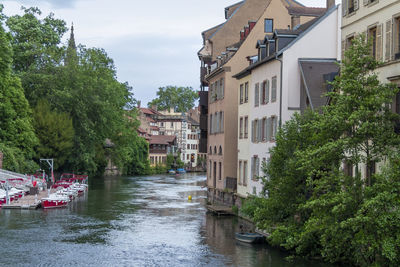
{"x": 30, "y": 202}
{"x": 220, "y": 210}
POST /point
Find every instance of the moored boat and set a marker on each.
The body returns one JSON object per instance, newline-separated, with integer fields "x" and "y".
{"x": 251, "y": 238}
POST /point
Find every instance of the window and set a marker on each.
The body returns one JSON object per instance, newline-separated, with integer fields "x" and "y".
{"x": 241, "y": 94}
{"x": 372, "y": 37}
{"x": 188, "y": 146}
{"x": 268, "y": 25}
{"x": 241, "y": 128}
{"x": 256, "y": 94}
{"x": 255, "y": 167}
{"x": 351, "y": 6}
{"x": 396, "y": 35}
{"x": 246, "y": 92}
{"x": 246, "y": 122}
{"x": 215, "y": 170}
{"x": 274, "y": 123}
{"x": 348, "y": 168}
{"x": 187, "y": 156}
{"x": 220, "y": 150}
{"x": 220, "y": 171}
{"x": 245, "y": 173}
{"x": 273, "y": 89}
{"x": 211, "y": 124}
{"x": 210, "y": 152}
{"x": 162, "y": 124}
{"x": 240, "y": 172}
{"x": 172, "y": 124}
{"x": 349, "y": 41}
{"x": 370, "y": 170}
{"x": 222, "y": 85}
{"x": 254, "y": 132}
{"x": 210, "y": 165}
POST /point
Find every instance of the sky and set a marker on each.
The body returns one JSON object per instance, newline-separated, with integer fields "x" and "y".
{"x": 153, "y": 43}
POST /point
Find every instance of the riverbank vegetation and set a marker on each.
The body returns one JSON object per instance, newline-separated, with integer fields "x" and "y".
{"x": 63, "y": 101}
{"x": 332, "y": 183}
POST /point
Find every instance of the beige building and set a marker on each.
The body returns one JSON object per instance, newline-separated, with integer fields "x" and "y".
{"x": 223, "y": 88}
{"x": 380, "y": 21}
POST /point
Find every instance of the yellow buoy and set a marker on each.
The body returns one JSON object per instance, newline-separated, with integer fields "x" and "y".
{"x": 189, "y": 197}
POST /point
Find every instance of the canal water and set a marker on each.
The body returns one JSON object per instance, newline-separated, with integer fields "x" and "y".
{"x": 131, "y": 221}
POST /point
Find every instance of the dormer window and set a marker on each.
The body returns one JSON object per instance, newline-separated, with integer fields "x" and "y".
{"x": 268, "y": 25}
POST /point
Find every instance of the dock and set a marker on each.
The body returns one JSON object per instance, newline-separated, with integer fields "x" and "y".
{"x": 28, "y": 202}
{"x": 220, "y": 210}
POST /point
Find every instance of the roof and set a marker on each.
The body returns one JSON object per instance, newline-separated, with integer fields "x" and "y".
{"x": 149, "y": 111}
{"x": 299, "y": 31}
{"x": 155, "y": 128}
{"x": 315, "y": 73}
{"x": 306, "y": 11}
{"x": 162, "y": 139}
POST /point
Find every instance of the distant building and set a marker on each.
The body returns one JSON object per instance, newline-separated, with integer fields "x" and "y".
{"x": 159, "y": 147}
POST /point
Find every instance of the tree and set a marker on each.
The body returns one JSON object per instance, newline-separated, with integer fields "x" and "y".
{"x": 314, "y": 209}
{"x": 55, "y": 133}
{"x": 179, "y": 98}
{"x": 17, "y": 137}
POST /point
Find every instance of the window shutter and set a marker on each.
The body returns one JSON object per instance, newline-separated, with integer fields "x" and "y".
{"x": 259, "y": 139}
{"x": 222, "y": 122}
{"x": 223, "y": 88}
{"x": 388, "y": 47}
{"x": 267, "y": 92}
{"x": 355, "y": 5}
{"x": 343, "y": 48}
{"x": 252, "y": 131}
{"x": 257, "y": 166}
{"x": 252, "y": 168}
{"x": 275, "y": 126}
{"x": 344, "y": 7}
{"x": 379, "y": 44}
{"x": 256, "y": 95}
{"x": 273, "y": 89}
{"x": 265, "y": 137}
{"x": 268, "y": 129}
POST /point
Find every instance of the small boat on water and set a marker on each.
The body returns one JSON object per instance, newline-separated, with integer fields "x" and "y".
{"x": 251, "y": 238}
{"x": 171, "y": 171}
{"x": 180, "y": 170}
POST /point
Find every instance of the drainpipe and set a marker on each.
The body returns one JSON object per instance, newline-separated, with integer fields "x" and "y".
{"x": 280, "y": 91}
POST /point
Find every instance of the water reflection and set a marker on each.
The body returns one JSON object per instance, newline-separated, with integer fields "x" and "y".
{"x": 131, "y": 221}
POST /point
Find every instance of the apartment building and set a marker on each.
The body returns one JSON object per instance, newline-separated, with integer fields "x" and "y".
{"x": 223, "y": 93}
{"x": 289, "y": 75}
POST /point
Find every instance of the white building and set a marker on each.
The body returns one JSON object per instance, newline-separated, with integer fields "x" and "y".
{"x": 279, "y": 84}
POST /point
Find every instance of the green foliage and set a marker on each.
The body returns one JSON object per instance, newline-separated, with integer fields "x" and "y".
{"x": 315, "y": 210}
{"x": 75, "y": 80}
{"x": 17, "y": 137}
{"x": 180, "y": 98}
{"x": 55, "y": 133}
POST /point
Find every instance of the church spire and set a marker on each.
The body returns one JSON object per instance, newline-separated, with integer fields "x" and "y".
{"x": 71, "y": 42}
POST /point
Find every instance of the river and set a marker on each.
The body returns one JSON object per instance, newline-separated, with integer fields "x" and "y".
{"x": 132, "y": 221}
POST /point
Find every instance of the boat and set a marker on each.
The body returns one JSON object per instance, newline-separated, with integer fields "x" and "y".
{"x": 180, "y": 170}
{"x": 171, "y": 171}
{"x": 251, "y": 238}
{"x": 55, "y": 201}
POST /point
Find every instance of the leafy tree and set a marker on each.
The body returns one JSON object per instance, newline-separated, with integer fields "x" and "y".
{"x": 17, "y": 137}
{"x": 314, "y": 209}
{"x": 180, "y": 98}
{"x": 55, "y": 133}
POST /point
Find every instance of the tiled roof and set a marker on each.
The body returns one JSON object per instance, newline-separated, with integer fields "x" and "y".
{"x": 162, "y": 139}
{"x": 306, "y": 11}
{"x": 149, "y": 111}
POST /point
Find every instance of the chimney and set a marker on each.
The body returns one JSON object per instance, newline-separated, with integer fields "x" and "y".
{"x": 329, "y": 4}
{"x": 241, "y": 35}
{"x": 252, "y": 23}
{"x": 246, "y": 31}
{"x": 296, "y": 20}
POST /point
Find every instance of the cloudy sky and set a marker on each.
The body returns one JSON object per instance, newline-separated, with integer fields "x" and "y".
{"x": 153, "y": 43}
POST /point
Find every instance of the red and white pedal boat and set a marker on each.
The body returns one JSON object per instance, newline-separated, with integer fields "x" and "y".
{"x": 55, "y": 201}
